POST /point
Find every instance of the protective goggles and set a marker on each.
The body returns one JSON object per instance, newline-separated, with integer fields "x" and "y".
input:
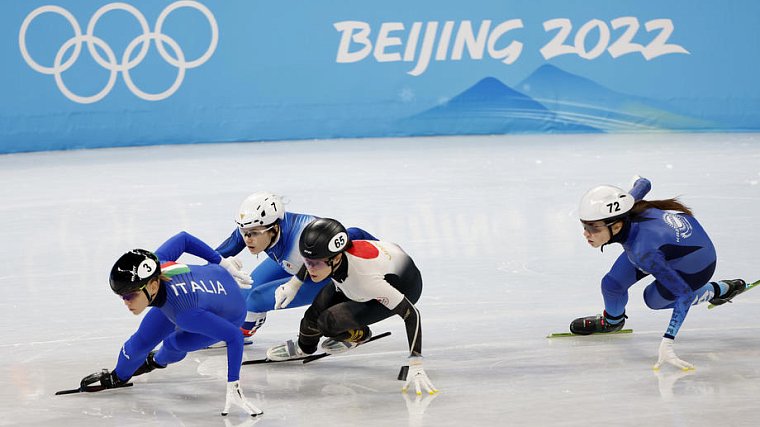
{"x": 594, "y": 228}
{"x": 254, "y": 232}
{"x": 315, "y": 263}
{"x": 129, "y": 296}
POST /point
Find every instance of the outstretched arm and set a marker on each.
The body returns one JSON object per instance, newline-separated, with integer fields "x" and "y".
{"x": 416, "y": 375}
{"x": 184, "y": 242}
{"x": 655, "y": 263}
{"x": 232, "y": 246}
{"x": 206, "y": 323}
{"x": 640, "y": 188}
{"x": 411, "y": 317}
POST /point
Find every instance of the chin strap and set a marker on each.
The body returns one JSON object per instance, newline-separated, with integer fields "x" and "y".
{"x": 275, "y": 239}
{"x": 620, "y": 236}
{"x": 332, "y": 265}
{"x": 612, "y": 236}
{"x": 148, "y": 295}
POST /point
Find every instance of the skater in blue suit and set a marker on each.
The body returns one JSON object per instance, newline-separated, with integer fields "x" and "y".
{"x": 191, "y": 307}
{"x": 281, "y": 280}
{"x": 660, "y": 238}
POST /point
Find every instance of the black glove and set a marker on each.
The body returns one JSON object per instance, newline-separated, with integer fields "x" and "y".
{"x": 107, "y": 380}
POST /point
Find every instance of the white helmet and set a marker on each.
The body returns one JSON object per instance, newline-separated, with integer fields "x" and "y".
{"x": 605, "y": 203}
{"x": 260, "y": 209}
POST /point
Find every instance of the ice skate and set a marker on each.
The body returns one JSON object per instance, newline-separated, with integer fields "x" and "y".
{"x": 356, "y": 337}
{"x": 594, "y": 325}
{"x": 287, "y": 351}
{"x": 148, "y": 366}
{"x": 735, "y": 287}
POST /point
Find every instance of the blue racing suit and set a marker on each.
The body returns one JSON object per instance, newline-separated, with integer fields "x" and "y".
{"x": 673, "y": 248}
{"x": 283, "y": 262}
{"x": 196, "y": 306}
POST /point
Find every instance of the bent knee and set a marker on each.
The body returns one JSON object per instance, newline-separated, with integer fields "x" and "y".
{"x": 329, "y": 324}
{"x": 612, "y": 286}
{"x": 654, "y": 300}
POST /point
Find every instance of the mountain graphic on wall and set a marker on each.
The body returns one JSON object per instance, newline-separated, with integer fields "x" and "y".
{"x": 491, "y": 107}
{"x": 581, "y": 100}
{"x": 548, "y": 100}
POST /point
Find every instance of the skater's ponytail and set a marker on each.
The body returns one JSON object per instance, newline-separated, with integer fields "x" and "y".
{"x": 664, "y": 205}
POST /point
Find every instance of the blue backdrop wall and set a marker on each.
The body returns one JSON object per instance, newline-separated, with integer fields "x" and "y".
{"x": 94, "y": 73}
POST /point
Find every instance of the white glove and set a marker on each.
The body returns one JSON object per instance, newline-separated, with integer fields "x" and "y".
{"x": 285, "y": 293}
{"x": 233, "y": 265}
{"x": 235, "y": 397}
{"x": 418, "y": 377}
{"x": 667, "y": 354}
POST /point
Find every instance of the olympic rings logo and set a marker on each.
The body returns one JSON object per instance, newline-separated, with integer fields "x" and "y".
{"x": 127, "y": 63}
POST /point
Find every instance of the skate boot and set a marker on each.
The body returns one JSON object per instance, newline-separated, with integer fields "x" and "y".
{"x": 248, "y": 335}
{"x": 596, "y": 324}
{"x": 352, "y": 338}
{"x": 735, "y": 287}
{"x": 148, "y": 365}
{"x": 287, "y": 351}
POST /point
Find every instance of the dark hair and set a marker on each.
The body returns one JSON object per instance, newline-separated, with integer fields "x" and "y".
{"x": 664, "y": 205}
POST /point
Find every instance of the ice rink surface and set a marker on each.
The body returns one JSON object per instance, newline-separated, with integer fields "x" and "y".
{"x": 492, "y": 224}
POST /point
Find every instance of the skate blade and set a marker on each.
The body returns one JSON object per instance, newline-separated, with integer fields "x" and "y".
{"x": 570, "y": 334}
{"x": 750, "y": 286}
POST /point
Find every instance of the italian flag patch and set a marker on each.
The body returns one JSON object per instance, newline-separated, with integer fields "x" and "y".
{"x": 171, "y": 269}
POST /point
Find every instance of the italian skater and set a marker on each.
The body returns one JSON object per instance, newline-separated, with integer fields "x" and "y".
{"x": 189, "y": 308}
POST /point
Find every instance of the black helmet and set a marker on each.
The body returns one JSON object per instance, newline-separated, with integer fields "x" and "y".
{"x": 133, "y": 270}
{"x": 323, "y": 238}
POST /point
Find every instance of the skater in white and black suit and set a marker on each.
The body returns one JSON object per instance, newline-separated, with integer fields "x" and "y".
{"x": 373, "y": 280}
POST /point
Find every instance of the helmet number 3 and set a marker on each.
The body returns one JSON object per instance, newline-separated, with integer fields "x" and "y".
{"x": 614, "y": 207}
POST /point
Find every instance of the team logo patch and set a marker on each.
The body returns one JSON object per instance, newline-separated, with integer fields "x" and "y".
{"x": 680, "y": 224}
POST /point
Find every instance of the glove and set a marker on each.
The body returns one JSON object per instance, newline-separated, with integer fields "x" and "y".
{"x": 235, "y": 397}
{"x": 233, "y": 265}
{"x": 418, "y": 376}
{"x": 285, "y": 293}
{"x": 667, "y": 354}
{"x": 106, "y": 378}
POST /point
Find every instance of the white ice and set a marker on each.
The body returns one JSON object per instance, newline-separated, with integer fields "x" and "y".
{"x": 492, "y": 223}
